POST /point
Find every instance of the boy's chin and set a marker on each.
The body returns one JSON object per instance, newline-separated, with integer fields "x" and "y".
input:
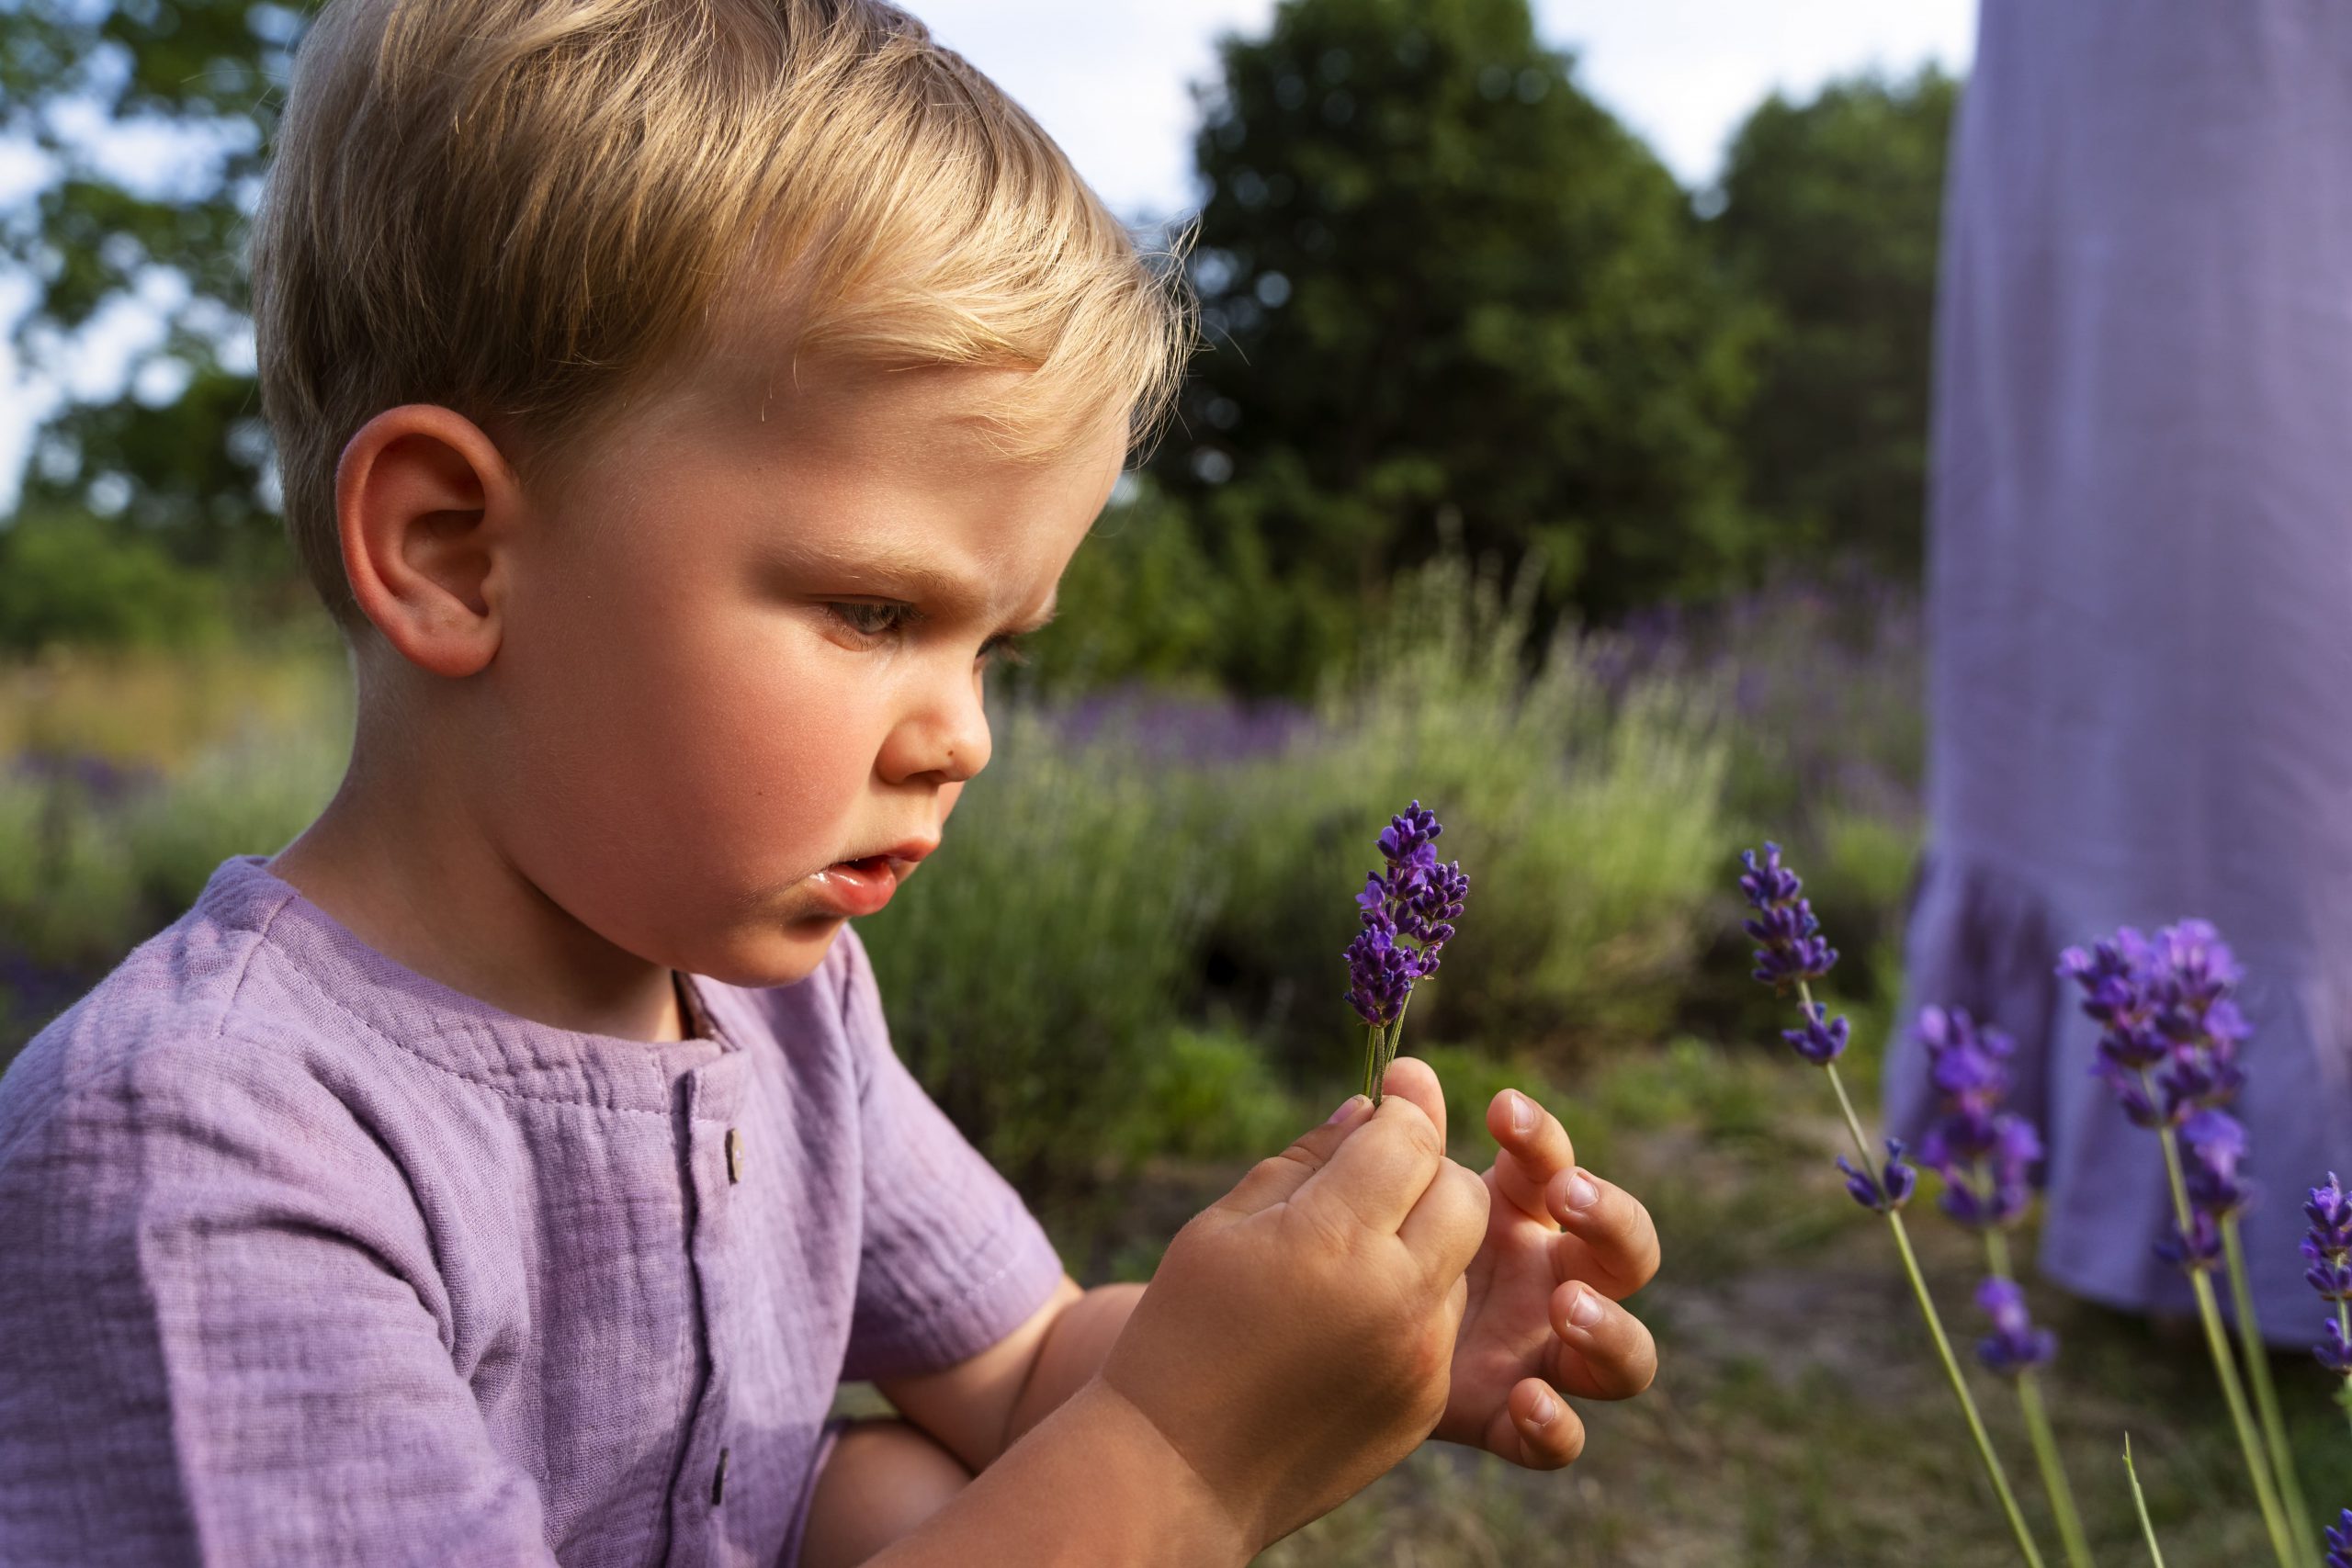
{"x": 779, "y": 955}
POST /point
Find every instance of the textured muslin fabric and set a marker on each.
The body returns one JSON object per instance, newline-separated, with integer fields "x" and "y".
{"x": 2140, "y": 604}
{"x": 306, "y": 1258}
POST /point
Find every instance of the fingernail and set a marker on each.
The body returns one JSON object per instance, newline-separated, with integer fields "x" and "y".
{"x": 1348, "y": 1108}
{"x": 1522, "y": 1114}
{"x": 1545, "y": 1408}
{"x": 1582, "y": 1193}
{"x": 1585, "y": 1313}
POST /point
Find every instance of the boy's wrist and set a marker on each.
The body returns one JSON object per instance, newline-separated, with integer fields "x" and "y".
{"x": 1204, "y": 1522}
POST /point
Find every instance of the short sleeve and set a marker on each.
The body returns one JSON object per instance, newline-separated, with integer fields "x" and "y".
{"x": 950, "y": 1260}
{"x": 219, "y": 1347}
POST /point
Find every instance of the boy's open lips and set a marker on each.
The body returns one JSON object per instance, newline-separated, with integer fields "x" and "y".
{"x": 860, "y": 886}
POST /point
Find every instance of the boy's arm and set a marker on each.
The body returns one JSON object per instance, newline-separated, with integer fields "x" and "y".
{"x": 981, "y": 1406}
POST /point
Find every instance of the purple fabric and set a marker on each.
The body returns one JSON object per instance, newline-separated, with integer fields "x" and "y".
{"x": 306, "y": 1258}
{"x": 2140, "y": 654}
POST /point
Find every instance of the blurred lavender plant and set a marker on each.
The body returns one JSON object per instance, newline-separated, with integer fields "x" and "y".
{"x": 1790, "y": 952}
{"x": 2169, "y": 1049}
{"x": 2015, "y": 1346}
{"x": 2339, "y": 1540}
{"x": 1415, "y": 900}
{"x": 2327, "y": 1264}
{"x": 1985, "y": 1155}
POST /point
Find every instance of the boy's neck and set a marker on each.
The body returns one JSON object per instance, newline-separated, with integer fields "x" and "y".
{"x": 421, "y": 887}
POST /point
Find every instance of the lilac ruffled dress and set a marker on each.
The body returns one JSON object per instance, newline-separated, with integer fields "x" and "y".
{"x": 2141, "y": 583}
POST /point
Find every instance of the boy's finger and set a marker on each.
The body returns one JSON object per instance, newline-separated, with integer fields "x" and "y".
{"x": 1417, "y": 1081}
{"x": 1273, "y": 1180}
{"x": 1603, "y": 1351}
{"x": 1379, "y": 1170}
{"x": 1536, "y": 1148}
{"x": 1611, "y": 1241}
{"x": 1445, "y": 1228}
{"x": 1535, "y": 1428}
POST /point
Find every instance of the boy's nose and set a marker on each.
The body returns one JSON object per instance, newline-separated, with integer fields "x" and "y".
{"x": 950, "y": 740}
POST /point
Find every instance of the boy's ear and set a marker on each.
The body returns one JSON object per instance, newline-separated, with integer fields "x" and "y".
{"x": 427, "y": 509}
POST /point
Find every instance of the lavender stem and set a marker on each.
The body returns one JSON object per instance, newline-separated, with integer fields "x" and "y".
{"x": 2344, "y": 1331}
{"x": 2266, "y": 1395}
{"x": 1928, "y": 1311}
{"x": 2140, "y": 1501}
{"x": 2209, "y": 1312}
{"x": 1958, "y": 1383}
{"x": 2037, "y": 1429}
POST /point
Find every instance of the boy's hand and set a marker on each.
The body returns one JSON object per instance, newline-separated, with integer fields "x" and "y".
{"x": 1542, "y": 1315}
{"x": 1295, "y": 1341}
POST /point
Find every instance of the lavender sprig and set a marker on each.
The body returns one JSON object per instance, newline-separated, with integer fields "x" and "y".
{"x": 2327, "y": 1265}
{"x": 2169, "y": 1049}
{"x": 1985, "y": 1154}
{"x": 2339, "y": 1540}
{"x": 2015, "y": 1346}
{"x": 1792, "y": 952}
{"x": 1408, "y": 911}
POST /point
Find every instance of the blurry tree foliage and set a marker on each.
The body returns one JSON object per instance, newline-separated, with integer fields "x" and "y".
{"x": 1828, "y": 219}
{"x": 1446, "y": 294}
{"x": 150, "y": 116}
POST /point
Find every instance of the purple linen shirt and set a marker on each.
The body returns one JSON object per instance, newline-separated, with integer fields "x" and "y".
{"x": 306, "y": 1258}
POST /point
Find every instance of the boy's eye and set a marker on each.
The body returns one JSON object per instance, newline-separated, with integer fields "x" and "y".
{"x": 868, "y": 620}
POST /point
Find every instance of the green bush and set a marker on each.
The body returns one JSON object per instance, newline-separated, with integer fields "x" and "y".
{"x": 1588, "y": 824}
{"x": 67, "y": 580}
{"x": 1205, "y": 1094}
{"x": 1027, "y": 966}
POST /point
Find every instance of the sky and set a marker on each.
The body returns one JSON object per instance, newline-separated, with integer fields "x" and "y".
{"x": 1110, "y": 80}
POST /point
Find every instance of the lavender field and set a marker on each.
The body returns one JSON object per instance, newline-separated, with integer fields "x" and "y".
{"x": 1122, "y": 975}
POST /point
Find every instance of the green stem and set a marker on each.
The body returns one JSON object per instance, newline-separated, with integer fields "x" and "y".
{"x": 1371, "y": 1063}
{"x": 2140, "y": 1501}
{"x": 2344, "y": 1331}
{"x": 2217, "y": 1342}
{"x": 2037, "y": 1429}
{"x": 2053, "y": 1472}
{"x": 1396, "y": 1033}
{"x": 1871, "y": 1167}
{"x": 1959, "y": 1384}
{"x": 2266, "y": 1395}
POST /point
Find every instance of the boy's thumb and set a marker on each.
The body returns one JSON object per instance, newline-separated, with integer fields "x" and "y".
{"x": 1273, "y": 1180}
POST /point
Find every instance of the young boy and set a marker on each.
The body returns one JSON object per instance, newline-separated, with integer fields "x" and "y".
{"x": 678, "y": 401}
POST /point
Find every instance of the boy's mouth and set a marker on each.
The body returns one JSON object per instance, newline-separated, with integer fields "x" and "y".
{"x": 855, "y": 887}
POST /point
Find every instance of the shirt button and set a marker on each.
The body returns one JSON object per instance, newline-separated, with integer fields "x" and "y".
{"x": 719, "y": 1481}
{"x": 734, "y": 1155}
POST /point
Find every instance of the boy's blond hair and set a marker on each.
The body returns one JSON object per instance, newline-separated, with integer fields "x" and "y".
{"x": 524, "y": 210}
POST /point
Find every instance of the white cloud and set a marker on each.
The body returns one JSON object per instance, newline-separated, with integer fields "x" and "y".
{"x": 1684, "y": 73}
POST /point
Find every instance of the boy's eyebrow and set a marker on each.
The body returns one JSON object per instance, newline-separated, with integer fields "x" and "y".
{"x": 914, "y": 575}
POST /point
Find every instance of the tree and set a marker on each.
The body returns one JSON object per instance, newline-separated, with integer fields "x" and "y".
{"x": 151, "y": 205}
{"x": 1830, "y": 219}
{"x": 1446, "y": 294}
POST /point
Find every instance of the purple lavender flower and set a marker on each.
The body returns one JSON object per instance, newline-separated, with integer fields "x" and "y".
{"x": 2329, "y": 1209}
{"x": 1790, "y": 948}
{"x": 1985, "y": 1153}
{"x": 2015, "y": 1346}
{"x": 2195, "y": 1248}
{"x": 1414, "y": 900}
{"x": 1885, "y": 1193}
{"x": 2327, "y": 1266}
{"x": 2169, "y": 1040}
{"x": 2334, "y": 1350}
{"x": 1821, "y": 1040}
{"x": 2213, "y": 1142}
{"x": 2339, "y": 1540}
